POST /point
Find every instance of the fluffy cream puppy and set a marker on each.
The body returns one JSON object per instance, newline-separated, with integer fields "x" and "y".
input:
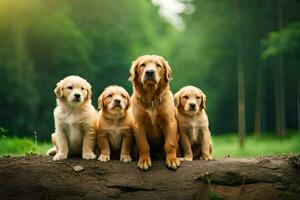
{"x": 75, "y": 120}
{"x": 195, "y": 139}
{"x": 115, "y": 128}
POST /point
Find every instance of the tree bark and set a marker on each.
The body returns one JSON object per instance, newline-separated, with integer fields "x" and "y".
{"x": 298, "y": 96}
{"x": 38, "y": 177}
{"x": 279, "y": 84}
{"x": 240, "y": 77}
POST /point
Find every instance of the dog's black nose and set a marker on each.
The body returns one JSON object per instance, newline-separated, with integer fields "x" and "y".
{"x": 192, "y": 105}
{"x": 150, "y": 72}
{"x": 77, "y": 96}
{"x": 117, "y": 100}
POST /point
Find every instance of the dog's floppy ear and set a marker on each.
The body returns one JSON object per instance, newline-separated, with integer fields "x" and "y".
{"x": 133, "y": 70}
{"x": 128, "y": 101}
{"x": 59, "y": 89}
{"x": 168, "y": 72}
{"x": 203, "y": 101}
{"x": 89, "y": 90}
{"x": 176, "y": 98}
{"x": 101, "y": 101}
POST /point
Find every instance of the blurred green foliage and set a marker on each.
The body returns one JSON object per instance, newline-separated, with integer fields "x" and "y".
{"x": 43, "y": 41}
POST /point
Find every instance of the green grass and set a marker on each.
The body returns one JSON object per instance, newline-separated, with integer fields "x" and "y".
{"x": 266, "y": 144}
{"x": 223, "y": 145}
{"x": 21, "y": 146}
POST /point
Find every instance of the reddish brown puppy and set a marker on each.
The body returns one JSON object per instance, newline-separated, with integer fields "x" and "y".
{"x": 153, "y": 109}
{"x": 192, "y": 120}
{"x": 114, "y": 132}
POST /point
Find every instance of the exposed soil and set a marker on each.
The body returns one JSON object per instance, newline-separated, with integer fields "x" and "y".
{"x": 38, "y": 177}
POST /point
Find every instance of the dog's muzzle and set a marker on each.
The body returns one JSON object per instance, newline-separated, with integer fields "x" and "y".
{"x": 149, "y": 76}
{"x": 192, "y": 106}
{"x": 117, "y": 103}
{"x": 77, "y": 97}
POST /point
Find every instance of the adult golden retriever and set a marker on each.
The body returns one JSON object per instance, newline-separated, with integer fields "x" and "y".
{"x": 153, "y": 109}
{"x": 115, "y": 128}
{"x": 192, "y": 120}
{"x": 75, "y": 120}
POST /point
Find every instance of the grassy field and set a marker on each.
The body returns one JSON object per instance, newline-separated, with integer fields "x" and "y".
{"x": 223, "y": 146}
{"x": 265, "y": 145}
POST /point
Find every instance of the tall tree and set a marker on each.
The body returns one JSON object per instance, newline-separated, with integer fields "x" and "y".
{"x": 240, "y": 76}
{"x": 279, "y": 83}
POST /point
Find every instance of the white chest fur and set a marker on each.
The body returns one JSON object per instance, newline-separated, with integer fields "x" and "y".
{"x": 74, "y": 135}
{"x": 194, "y": 131}
{"x": 152, "y": 113}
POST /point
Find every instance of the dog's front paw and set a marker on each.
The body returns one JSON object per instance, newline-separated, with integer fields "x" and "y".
{"x": 60, "y": 156}
{"x": 125, "y": 158}
{"x": 206, "y": 157}
{"x": 88, "y": 156}
{"x": 185, "y": 159}
{"x": 144, "y": 163}
{"x": 104, "y": 158}
{"x": 173, "y": 163}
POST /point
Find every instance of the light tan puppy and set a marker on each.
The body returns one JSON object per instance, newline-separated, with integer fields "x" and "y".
{"x": 192, "y": 120}
{"x": 115, "y": 129}
{"x": 75, "y": 120}
{"x": 154, "y": 111}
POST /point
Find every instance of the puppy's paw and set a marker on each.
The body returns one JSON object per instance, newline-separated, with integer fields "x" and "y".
{"x": 60, "y": 156}
{"x": 206, "y": 157}
{"x": 89, "y": 156}
{"x": 173, "y": 163}
{"x": 125, "y": 158}
{"x": 144, "y": 163}
{"x": 104, "y": 158}
{"x": 185, "y": 159}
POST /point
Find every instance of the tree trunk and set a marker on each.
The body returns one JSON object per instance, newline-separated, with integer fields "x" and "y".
{"x": 298, "y": 93}
{"x": 279, "y": 84}
{"x": 240, "y": 77}
{"x": 258, "y": 100}
{"x": 38, "y": 177}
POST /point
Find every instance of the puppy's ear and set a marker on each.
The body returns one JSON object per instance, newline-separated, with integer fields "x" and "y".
{"x": 203, "y": 101}
{"x": 59, "y": 89}
{"x": 101, "y": 101}
{"x": 89, "y": 90}
{"x": 128, "y": 101}
{"x": 168, "y": 71}
{"x": 132, "y": 70}
{"x": 176, "y": 99}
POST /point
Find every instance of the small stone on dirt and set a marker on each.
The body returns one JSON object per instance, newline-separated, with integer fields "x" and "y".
{"x": 78, "y": 168}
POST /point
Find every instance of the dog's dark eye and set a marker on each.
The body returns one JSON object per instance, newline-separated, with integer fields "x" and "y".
{"x": 158, "y": 65}
{"x": 82, "y": 88}
{"x": 109, "y": 96}
{"x": 198, "y": 97}
{"x": 70, "y": 87}
{"x": 142, "y": 65}
{"x": 185, "y": 97}
{"x": 123, "y": 95}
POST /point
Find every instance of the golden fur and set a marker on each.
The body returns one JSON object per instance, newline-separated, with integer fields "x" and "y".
{"x": 115, "y": 124}
{"x": 192, "y": 120}
{"x": 153, "y": 109}
{"x": 75, "y": 119}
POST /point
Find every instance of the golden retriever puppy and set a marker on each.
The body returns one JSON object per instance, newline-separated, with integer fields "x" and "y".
{"x": 154, "y": 111}
{"x": 115, "y": 128}
{"x": 192, "y": 120}
{"x": 75, "y": 120}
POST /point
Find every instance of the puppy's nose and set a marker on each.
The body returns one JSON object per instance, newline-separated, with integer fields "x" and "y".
{"x": 117, "y": 101}
{"x": 150, "y": 72}
{"x": 77, "y": 96}
{"x": 192, "y": 105}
